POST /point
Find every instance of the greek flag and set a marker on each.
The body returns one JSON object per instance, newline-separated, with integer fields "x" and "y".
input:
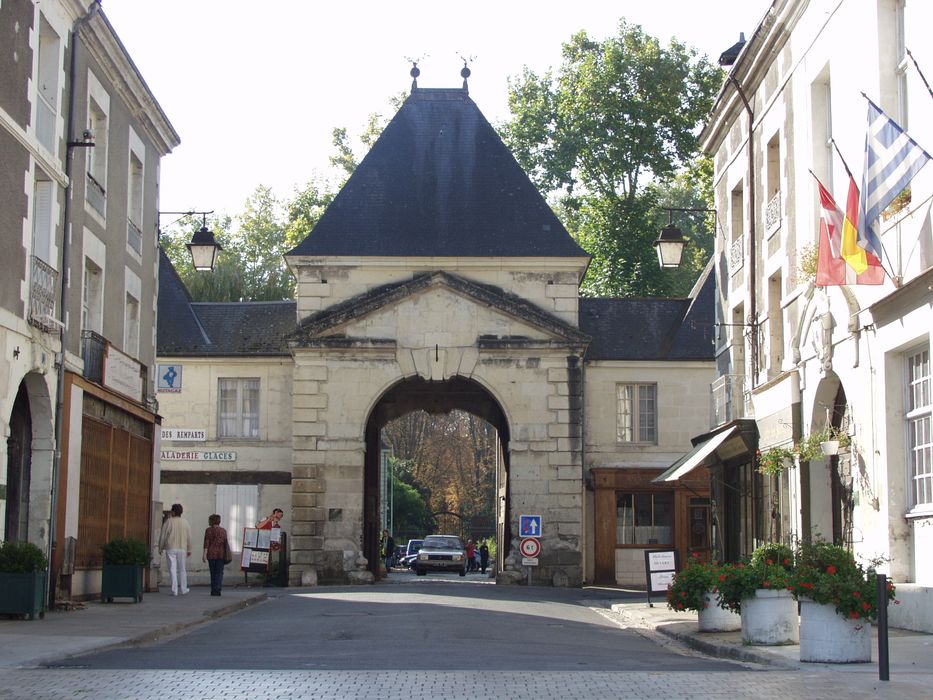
{"x": 892, "y": 158}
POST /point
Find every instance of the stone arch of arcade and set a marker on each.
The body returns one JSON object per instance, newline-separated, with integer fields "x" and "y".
{"x": 413, "y": 394}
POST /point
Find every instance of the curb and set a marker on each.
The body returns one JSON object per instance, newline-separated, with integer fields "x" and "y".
{"x": 176, "y": 627}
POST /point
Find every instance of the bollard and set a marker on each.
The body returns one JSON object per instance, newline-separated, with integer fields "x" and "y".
{"x": 881, "y": 589}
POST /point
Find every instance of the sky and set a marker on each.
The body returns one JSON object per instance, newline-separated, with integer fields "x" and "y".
{"x": 254, "y": 88}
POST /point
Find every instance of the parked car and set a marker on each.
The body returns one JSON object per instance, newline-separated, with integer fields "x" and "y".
{"x": 441, "y": 553}
{"x": 411, "y": 553}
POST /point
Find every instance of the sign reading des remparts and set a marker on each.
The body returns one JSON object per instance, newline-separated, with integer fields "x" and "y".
{"x": 184, "y": 434}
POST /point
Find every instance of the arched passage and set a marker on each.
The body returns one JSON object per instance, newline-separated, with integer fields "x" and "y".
{"x": 415, "y": 394}
{"x": 831, "y": 478}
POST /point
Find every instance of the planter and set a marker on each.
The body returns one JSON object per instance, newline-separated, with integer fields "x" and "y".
{"x": 121, "y": 581}
{"x": 828, "y": 637}
{"x": 23, "y": 594}
{"x": 770, "y": 618}
{"x": 715, "y": 619}
{"x": 829, "y": 448}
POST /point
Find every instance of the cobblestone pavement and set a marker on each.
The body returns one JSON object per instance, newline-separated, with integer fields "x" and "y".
{"x": 40, "y": 684}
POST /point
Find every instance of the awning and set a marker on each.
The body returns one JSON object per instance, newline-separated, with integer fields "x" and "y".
{"x": 695, "y": 457}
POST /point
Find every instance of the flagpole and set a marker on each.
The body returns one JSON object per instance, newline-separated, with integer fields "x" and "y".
{"x": 922, "y": 76}
{"x": 839, "y": 153}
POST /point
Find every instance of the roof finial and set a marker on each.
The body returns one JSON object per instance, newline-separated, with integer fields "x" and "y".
{"x": 465, "y": 71}
{"x": 414, "y": 72}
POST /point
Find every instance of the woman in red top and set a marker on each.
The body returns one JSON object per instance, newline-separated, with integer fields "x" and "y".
{"x": 215, "y": 552}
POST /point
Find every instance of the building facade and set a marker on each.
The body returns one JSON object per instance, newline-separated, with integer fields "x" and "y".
{"x": 439, "y": 279}
{"x": 81, "y": 137}
{"x": 795, "y": 357}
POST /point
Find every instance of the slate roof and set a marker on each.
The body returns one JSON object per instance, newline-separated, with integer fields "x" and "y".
{"x": 252, "y": 328}
{"x": 651, "y": 329}
{"x": 439, "y": 182}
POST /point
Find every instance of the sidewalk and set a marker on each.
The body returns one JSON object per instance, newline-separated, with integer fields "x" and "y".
{"x": 61, "y": 634}
{"x": 909, "y": 653}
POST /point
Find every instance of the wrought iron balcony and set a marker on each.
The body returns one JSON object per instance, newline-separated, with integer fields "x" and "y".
{"x": 134, "y": 236}
{"x": 93, "y": 349}
{"x": 737, "y": 254}
{"x": 95, "y": 195}
{"x": 42, "y": 286}
{"x": 729, "y": 399}
{"x": 773, "y": 214}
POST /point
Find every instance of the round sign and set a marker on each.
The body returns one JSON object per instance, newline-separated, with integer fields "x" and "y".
{"x": 530, "y": 547}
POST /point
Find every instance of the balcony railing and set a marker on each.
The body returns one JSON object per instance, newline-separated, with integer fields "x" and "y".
{"x": 95, "y": 195}
{"x": 93, "y": 347}
{"x": 773, "y": 214}
{"x": 729, "y": 399}
{"x": 737, "y": 254}
{"x": 42, "y": 295}
{"x": 134, "y": 236}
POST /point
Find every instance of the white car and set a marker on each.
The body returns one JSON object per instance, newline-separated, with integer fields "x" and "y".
{"x": 441, "y": 553}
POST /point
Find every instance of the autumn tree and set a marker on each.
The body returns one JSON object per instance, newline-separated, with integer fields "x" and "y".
{"x": 606, "y": 135}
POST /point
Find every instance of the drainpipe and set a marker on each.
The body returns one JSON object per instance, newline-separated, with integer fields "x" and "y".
{"x": 752, "y": 243}
{"x": 63, "y": 300}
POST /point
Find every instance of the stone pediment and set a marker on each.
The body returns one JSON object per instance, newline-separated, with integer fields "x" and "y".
{"x": 440, "y": 307}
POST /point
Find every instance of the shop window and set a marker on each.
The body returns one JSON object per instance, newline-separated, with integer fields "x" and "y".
{"x": 645, "y": 519}
{"x": 637, "y": 413}
{"x": 919, "y": 418}
{"x": 238, "y": 408}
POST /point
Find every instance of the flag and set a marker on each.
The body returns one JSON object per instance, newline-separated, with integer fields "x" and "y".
{"x": 831, "y": 267}
{"x": 866, "y": 266}
{"x": 892, "y": 158}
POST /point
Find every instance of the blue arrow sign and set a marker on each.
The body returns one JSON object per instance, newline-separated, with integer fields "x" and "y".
{"x": 529, "y": 525}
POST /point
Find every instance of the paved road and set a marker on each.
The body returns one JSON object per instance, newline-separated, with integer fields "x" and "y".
{"x": 424, "y": 625}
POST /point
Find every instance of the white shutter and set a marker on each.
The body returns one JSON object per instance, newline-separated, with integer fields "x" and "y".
{"x": 42, "y": 221}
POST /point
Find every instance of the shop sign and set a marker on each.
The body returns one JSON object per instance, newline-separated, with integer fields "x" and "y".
{"x": 184, "y": 434}
{"x": 198, "y": 456}
{"x": 122, "y": 374}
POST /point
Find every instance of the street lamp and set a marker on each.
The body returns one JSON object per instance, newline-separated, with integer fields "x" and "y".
{"x": 203, "y": 247}
{"x": 671, "y": 242}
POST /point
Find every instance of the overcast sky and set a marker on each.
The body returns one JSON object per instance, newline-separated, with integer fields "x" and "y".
{"x": 255, "y": 87}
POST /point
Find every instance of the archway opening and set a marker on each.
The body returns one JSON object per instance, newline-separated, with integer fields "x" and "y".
{"x": 19, "y": 468}
{"x": 444, "y": 445}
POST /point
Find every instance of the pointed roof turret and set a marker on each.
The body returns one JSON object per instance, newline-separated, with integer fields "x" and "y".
{"x": 439, "y": 182}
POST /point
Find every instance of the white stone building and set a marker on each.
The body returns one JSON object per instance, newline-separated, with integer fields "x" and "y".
{"x": 81, "y": 137}
{"x": 796, "y": 357}
{"x": 438, "y": 279}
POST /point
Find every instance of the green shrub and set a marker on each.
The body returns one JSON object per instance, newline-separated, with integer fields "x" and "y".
{"x": 21, "y": 558}
{"x": 691, "y": 584}
{"x": 125, "y": 551}
{"x": 774, "y": 553}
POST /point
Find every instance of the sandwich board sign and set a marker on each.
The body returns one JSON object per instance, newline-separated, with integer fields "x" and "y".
{"x": 660, "y": 567}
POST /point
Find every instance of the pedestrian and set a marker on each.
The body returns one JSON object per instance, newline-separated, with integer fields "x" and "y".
{"x": 388, "y": 549}
{"x": 175, "y": 541}
{"x": 471, "y": 555}
{"x": 216, "y": 549}
{"x": 484, "y": 556}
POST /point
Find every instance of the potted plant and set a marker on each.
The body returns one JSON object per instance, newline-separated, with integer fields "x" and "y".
{"x": 22, "y": 579}
{"x": 695, "y": 588}
{"x": 823, "y": 443}
{"x": 775, "y": 460}
{"x": 837, "y": 604}
{"x": 122, "y": 572}
{"x": 760, "y": 590}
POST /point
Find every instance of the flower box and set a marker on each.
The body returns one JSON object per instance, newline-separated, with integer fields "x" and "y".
{"x": 121, "y": 581}
{"x": 828, "y": 637}
{"x": 23, "y": 594}
{"x": 770, "y": 618}
{"x": 714, "y": 618}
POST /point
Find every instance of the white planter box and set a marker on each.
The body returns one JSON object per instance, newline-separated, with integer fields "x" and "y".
{"x": 828, "y": 637}
{"x": 770, "y": 618}
{"x": 714, "y": 619}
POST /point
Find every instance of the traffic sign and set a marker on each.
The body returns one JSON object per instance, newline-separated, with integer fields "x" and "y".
{"x": 530, "y": 547}
{"x": 529, "y": 525}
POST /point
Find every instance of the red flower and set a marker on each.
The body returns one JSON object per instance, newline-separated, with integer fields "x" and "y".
{"x": 853, "y": 615}
{"x": 786, "y": 562}
{"x": 722, "y": 577}
{"x": 705, "y": 606}
{"x": 766, "y": 584}
{"x": 830, "y": 569}
{"x": 680, "y": 606}
{"x": 866, "y": 607}
{"x": 807, "y": 585}
{"x": 770, "y": 562}
{"x": 856, "y": 594}
{"x": 683, "y": 594}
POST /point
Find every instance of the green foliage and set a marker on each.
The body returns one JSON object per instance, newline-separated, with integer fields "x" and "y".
{"x": 775, "y": 460}
{"x": 410, "y": 513}
{"x": 811, "y": 446}
{"x": 618, "y": 114}
{"x": 827, "y": 573}
{"x": 21, "y": 558}
{"x": 774, "y": 554}
{"x": 122, "y": 551}
{"x": 740, "y": 581}
{"x": 691, "y": 584}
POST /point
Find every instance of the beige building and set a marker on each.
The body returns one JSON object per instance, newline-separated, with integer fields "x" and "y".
{"x": 797, "y": 356}
{"x": 439, "y": 279}
{"x": 81, "y": 137}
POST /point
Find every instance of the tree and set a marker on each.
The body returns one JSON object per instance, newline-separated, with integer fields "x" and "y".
{"x": 618, "y": 115}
